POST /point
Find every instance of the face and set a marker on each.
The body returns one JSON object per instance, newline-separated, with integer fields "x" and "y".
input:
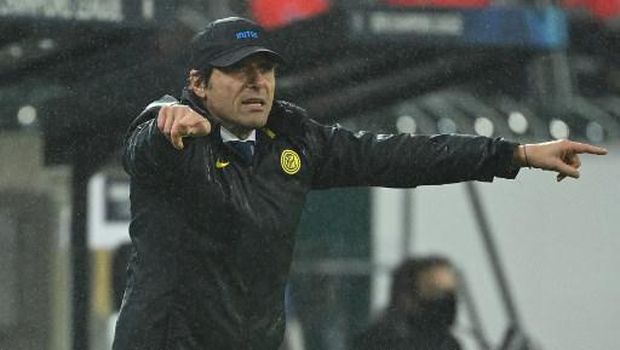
{"x": 436, "y": 306}
{"x": 240, "y": 95}
{"x": 437, "y": 281}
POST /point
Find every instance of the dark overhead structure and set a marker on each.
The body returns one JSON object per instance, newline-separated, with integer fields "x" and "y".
{"x": 87, "y": 72}
{"x": 80, "y": 73}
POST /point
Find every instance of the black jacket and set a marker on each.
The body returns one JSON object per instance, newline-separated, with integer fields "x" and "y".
{"x": 213, "y": 237}
{"x": 394, "y": 331}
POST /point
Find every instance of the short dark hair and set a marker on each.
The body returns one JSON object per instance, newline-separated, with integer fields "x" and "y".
{"x": 406, "y": 276}
{"x": 204, "y": 73}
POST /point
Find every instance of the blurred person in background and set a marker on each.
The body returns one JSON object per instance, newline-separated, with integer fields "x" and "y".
{"x": 422, "y": 309}
{"x": 219, "y": 179}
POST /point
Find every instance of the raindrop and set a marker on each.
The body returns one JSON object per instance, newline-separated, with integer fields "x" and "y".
{"x": 558, "y": 129}
{"x": 517, "y": 122}
{"x": 47, "y": 44}
{"x": 446, "y": 126}
{"x": 406, "y": 124}
{"x": 16, "y": 51}
{"x": 27, "y": 115}
{"x": 483, "y": 126}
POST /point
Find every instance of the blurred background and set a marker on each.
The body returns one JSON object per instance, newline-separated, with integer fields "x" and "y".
{"x": 538, "y": 260}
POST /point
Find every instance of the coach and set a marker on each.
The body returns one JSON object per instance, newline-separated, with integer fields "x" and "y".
{"x": 219, "y": 179}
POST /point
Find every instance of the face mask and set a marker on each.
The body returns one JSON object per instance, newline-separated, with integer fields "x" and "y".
{"x": 438, "y": 313}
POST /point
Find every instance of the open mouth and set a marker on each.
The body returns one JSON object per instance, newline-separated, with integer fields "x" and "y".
{"x": 254, "y": 102}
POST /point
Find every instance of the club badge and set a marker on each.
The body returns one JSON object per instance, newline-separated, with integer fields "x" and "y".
{"x": 290, "y": 161}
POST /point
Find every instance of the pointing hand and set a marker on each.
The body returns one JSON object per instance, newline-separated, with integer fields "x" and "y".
{"x": 561, "y": 156}
{"x": 179, "y": 121}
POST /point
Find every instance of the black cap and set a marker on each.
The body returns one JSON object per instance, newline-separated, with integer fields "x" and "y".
{"x": 227, "y": 41}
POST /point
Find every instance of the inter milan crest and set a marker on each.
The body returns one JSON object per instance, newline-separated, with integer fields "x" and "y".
{"x": 290, "y": 161}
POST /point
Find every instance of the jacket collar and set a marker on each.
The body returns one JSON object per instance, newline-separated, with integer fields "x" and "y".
{"x": 189, "y": 98}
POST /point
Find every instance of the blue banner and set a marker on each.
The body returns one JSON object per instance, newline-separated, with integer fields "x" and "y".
{"x": 527, "y": 27}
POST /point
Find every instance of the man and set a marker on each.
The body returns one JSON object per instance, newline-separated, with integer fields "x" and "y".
{"x": 421, "y": 312}
{"x": 218, "y": 183}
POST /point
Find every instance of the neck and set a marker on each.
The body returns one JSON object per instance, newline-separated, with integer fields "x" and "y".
{"x": 241, "y": 132}
{"x": 196, "y": 102}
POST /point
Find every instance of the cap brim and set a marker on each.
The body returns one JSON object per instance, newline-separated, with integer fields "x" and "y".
{"x": 235, "y": 55}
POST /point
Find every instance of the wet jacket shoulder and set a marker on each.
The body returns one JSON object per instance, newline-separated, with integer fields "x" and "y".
{"x": 146, "y": 149}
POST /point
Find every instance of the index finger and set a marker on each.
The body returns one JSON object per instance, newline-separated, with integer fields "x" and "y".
{"x": 586, "y": 148}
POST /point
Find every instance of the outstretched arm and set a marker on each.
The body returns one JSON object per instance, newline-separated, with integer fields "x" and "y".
{"x": 561, "y": 156}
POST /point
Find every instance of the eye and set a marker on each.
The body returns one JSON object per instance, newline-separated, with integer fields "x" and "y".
{"x": 266, "y": 66}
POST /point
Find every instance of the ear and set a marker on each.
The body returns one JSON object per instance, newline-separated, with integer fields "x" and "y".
{"x": 196, "y": 83}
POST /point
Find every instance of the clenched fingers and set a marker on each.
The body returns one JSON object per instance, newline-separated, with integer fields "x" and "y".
{"x": 166, "y": 118}
{"x": 180, "y": 130}
{"x": 179, "y": 121}
{"x": 566, "y": 170}
{"x": 170, "y": 119}
{"x": 572, "y": 159}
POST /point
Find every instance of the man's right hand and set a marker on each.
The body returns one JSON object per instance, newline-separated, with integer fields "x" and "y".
{"x": 178, "y": 121}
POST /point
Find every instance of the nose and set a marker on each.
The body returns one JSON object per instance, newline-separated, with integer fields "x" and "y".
{"x": 255, "y": 76}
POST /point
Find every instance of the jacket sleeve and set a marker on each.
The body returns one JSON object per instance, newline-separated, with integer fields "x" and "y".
{"x": 344, "y": 158}
{"x": 146, "y": 151}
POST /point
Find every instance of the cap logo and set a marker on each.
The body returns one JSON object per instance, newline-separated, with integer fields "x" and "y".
{"x": 246, "y": 34}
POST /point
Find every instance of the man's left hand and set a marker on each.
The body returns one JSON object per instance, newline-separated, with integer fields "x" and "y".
{"x": 561, "y": 156}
